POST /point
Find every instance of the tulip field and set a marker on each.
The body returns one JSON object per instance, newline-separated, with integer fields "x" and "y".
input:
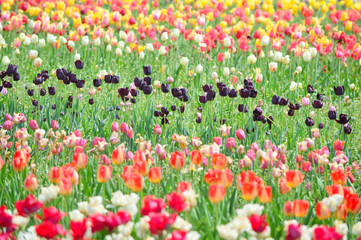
{"x": 180, "y": 119}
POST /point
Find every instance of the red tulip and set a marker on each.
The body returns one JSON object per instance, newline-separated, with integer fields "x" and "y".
{"x": 338, "y": 177}
{"x": 341, "y": 212}
{"x": 52, "y": 214}
{"x": 196, "y": 157}
{"x": 288, "y": 209}
{"x": 300, "y": 208}
{"x": 334, "y": 189}
{"x": 258, "y": 223}
{"x": 21, "y": 158}
{"x": 54, "y": 174}
{"x": 293, "y": 178}
{"x": 338, "y": 145}
{"x": 152, "y": 204}
{"x": 177, "y": 160}
{"x": 80, "y": 160}
{"x": 322, "y": 211}
{"x": 31, "y": 183}
{"x": 78, "y": 229}
{"x": 353, "y": 203}
{"x": 183, "y": 186}
{"x": 284, "y": 189}
{"x": 160, "y": 221}
{"x": 65, "y": 186}
{"x": 49, "y": 230}
{"x": 216, "y": 193}
{"x": 118, "y": 156}
{"x": 176, "y": 202}
{"x": 249, "y": 191}
{"x": 104, "y": 173}
{"x": 28, "y": 206}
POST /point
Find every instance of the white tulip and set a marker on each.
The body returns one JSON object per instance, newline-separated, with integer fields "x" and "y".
{"x": 226, "y": 71}
{"x": 42, "y": 42}
{"x": 307, "y": 56}
{"x": 97, "y": 42}
{"x": 34, "y": 39}
{"x": 5, "y": 60}
{"x": 150, "y": 47}
{"x": 265, "y": 40}
{"x": 109, "y": 48}
{"x": 293, "y": 86}
{"x": 199, "y": 69}
{"x": 251, "y": 59}
{"x": 164, "y": 36}
{"x": 184, "y": 61}
{"x": 33, "y": 54}
{"x": 141, "y": 55}
{"x": 118, "y": 52}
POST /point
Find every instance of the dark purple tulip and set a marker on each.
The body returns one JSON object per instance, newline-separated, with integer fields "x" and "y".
{"x": 310, "y": 89}
{"x": 211, "y": 94}
{"x": 97, "y": 82}
{"x": 253, "y": 93}
{"x": 11, "y": 69}
{"x": 66, "y": 80}
{"x": 111, "y": 109}
{"x": 309, "y": 122}
{"x": 291, "y": 112}
{"x": 223, "y": 121}
{"x": 42, "y": 92}
{"x": 223, "y": 91}
{"x": 332, "y": 114}
{"x": 44, "y": 75}
{"x": 283, "y": 102}
{"x": 347, "y": 129}
{"x": 182, "y": 108}
{"x": 70, "y": 99}
{"x": 123, "y": 91}
{"x": 320, "y": 125}
{"x": 200, "y": 109}
{"x": 2, "y": 74}
{"x": 184, "y": 91}
{"x": 275, "y": 99}
{"x": 35, "y": 103}
{"x": 62, "y": 114}
{"x": 91, "y": 101}
{"x": 297, "y": 106}
{"x": 244, "y": 93}
{"x": 147, "y": 70}
{"x": 117, "y": 108}
{"x": 134, "y": 92}
{"x": 242, "y": 108}
{"x": 41, "y": 107}
{"x": 16, "y": 76}
{"x": 115, "y": 79}
{"x": 270, "y": 120}
{"x": 72, "y": 77}
{"x": 60, "y": 74}
{"x": 165, "y": 88}
{"x": 142, "y": 85}
{"x": 206, "y": 88}
{"x": 214, "y": 119}
{"x": 108, "y": 78}
{"x": 38, "y": 81}
{"x": 248, "y": 83}
{"x": 80, "y": 83}
{"x": 156, "y": 113}
{"x": 148, "y": 80}
{"x": 79, "y": 64}
{"x": 31, "y": 92}
{"x": 148, "y": 90}
{"x": 69, "y": 105}
{"x": 164, "y": 110}
{"x": 176, "y": 92}
{"x": 53, "y": 106}
{"x": 257, "y": 111}
{"x": 117, "y": 116}
{"x": 319, "y": 96}
{"x": 185, "y": 98}
{"x": 339, "y": 90}
{"x": 137, "y": 81}
{"x": 202, "y": 99}
{"x": 7, "y": 84}
{"x": 198, "y": 120}
{"x": 232, "y": 93}
{"x": 317, "y": 104}
{"x": 343, "y": 119}
{"x": 173, "y": 108}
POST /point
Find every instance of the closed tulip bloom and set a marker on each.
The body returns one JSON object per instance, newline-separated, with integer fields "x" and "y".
{"x": 80, "y": 160}
{"x": 104, "y": 173}
{"x": 249, "y": 190}
{"x": 294, "y": 178}
{"x": 115, "y": 127}
{"x": 341, "y": 212}
{"x": 216, "y": 193}
{"x": 65, "y": 186}
{"x": 338, "y": 176}
{"x": 300, "y": 208}
{"x": 217, "y": 140}
{"x": 322, "y": 211}
{"x": 265, "y": 194}
{"x": 124, "y": 127}
{"x": 21, "y": 159}
{"x": 284, "y": 189}
{"x": 230, "y": 143}
{"x": 31, "y": 183}
{"x": 240, "y": 134}
{"x": 54, "y": 175}
{"x": 135, "y": 182}
{"x": 157, "y": 130}
{"x": 176, "y": 160}
{"x": 33, "y": 124}
{"x": 225, "y": 177}
{"x": 288, "y": 209}
{"x": 118, "y": 156}
{"x": 155, "y": 174}
{"x": 219, "y": 161}
{"x": 196, "y": 157}
{"x": 141, "y": 167}
{"x": 338, "y": 145}
{"x": 353, "y": 203}
{"x": 130, "y": 133}
{"x": 55, "y": 125}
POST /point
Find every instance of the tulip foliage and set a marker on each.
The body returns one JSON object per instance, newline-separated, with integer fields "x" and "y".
{"x": 175, "y": 120}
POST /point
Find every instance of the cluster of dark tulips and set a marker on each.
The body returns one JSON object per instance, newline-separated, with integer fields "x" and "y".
{"x": 11, "y": 72}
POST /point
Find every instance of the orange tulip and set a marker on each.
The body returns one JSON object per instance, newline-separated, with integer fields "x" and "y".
{"x": 196, "y": 157}
{"x": 139, "y": 156}
{"x": 246, "y": 176}
{"x": 284, "y": 189}
{"x": 226, "y": 177}
{"x": 118, "y": 156}
{"x": 334, "y": 189}
{"x": 141, "y": 167}
{"x": 216, "y": 193}
{"x": 177, "y": 160}
{"x": 135, "y": 182}
{"x": 54, "y": 174}
{"x": 65, "y": 186}
{"x": 155, "y": 174}
{"x": 300, "y": 208}
{"x": 293, "y": 178}
{"x": 322, "y": 211}
{"x": 104, "y": 173}
{"x": 288, "y": 209}
{"x": 249, "y": 191}
{"x": 341, "y": 212}
{"x": 353, "y": 203}
{"x": 80, "y": 160}
{"x": 265, "y": 194}
{"x": 31, "y": 183}
{"x": 338, "y": 176}
{"x": 21, "y": 158}
{"x": 219, "y": 161}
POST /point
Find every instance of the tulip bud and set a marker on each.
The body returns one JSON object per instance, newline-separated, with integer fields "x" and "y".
{"x": 31, "y": 183}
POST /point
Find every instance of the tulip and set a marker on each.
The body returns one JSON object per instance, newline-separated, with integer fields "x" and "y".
{"x": 216, "y": 193}
{"x": 155, "y": 174}
{"x": 196, "y": 157}
{"x": 176, "y": 160}
{"x": 293, "y": 178}
{"x": 37, "y": 62}
{"x": 176, "y": 202}
{"x": 300, "y": 208}
{"x": 135, "y": 182}
{"x": 240, "y": 134}
{"x": 157, "y": 130}
{"x": 104, "y": 173}
{"x": 338, "y": 177}
{"x": 219, "y": 161}
{"x": 80, "y": 160}
{"x": 353, "y": 203}
{"x": 322, "y": 211}
{"x": 55, "y": 125}
{"x": 265, "y": 194}
{"x": 338, "y": 145}
{"x": 65, "y": 186}
{"x": 225, "y": 177}
{"x": 141, "y": 167}
{"x": 118, "y": 156}
{"x": 21, "y": 158}
{"x": 258, "y": 223}
{"x": 28, "y": 206}
{"x": 33, "y": 124}
{"x": 341, "y": 212}
{"x": 288, "y": 209}
{"x": 249, "y": 190}
{"x": 31, "y": 183}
